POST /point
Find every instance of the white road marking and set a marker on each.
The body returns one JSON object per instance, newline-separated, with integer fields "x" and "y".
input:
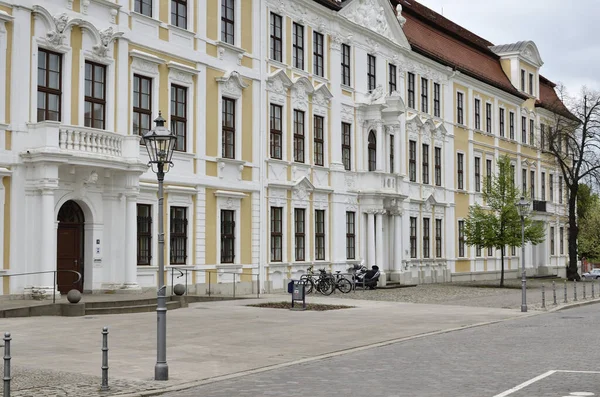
{"x": 545, "y": 375}
{"x": 525, "y": 384}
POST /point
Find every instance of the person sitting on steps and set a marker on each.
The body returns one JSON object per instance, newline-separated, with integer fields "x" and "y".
{"x": 372, "y": 277}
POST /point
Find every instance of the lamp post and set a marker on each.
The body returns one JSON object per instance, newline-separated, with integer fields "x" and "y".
{"x": 160, "y": 144}
{"x": 523, "y": 209}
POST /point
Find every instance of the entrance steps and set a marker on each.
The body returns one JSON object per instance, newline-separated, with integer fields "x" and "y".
{"x": 395, "y": 284}
{"x": 97, "y": 304}
{"x": 131, "y": 306}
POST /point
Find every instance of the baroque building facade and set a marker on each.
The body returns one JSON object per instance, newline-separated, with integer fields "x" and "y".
{"x": 310, "y": 132}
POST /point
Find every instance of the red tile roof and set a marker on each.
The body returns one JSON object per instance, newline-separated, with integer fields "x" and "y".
{"x": 438, "y": 38}
{"x": 550, "y": 101}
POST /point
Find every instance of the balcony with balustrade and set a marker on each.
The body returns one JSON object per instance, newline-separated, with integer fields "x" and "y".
{"x": 78, "y": 145}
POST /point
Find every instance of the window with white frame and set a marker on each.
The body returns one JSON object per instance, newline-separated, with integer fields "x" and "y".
{"x": 179, "y": 13}
{"x": 438, "y": 238}
{"x": 350, "y": 235}
{"x": 298, "y": 136}
{"x": 143, "y": 7}
{"x": 424, "y": 95}
{"x": 227, "y": 236}
{"x": 501, "y": 119}
{"x": 276, "y": 37}
{"x": 178, "y": 235}
{"x": 228, "y": 128}
{"x": 319, "y": 125}
{"x": 95, "y": 95}
{"x": 320, "y": 235}
{"x": 49, "y": 90}
{"x": 228, "y": 21}
{"x": 318, "y": 54}
{"x": 276, "y": 234}
{"x": 347, "y": 146}
{"x": 461, "y": 239}
{"x": 488, "y": 118}
{"x": 298, "y": 46}
{"x": 413, "y": 237}
{"x": 477, "y": 114}
{"x": 179, "y": 118}
{"x": 299, "y": 234}
{"x": 144, "y": 234}
{"x": 142, "y": 104}
{"x": 436, "y": 100}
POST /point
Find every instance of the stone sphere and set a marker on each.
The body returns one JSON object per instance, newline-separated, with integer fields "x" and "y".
{"x": 74, "y": 296}
{"x": 179, "y": 289}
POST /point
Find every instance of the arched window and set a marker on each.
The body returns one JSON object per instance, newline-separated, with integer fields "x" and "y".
{"x": 372, "y": 151}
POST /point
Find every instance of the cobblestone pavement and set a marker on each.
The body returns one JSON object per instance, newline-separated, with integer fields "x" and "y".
{"x": 28, "y": 382}
{"x": 475, "y": 362}
{"x": 479, "y": 294}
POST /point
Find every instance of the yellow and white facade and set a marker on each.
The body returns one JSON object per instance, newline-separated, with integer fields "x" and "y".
{"x": 307, "y": 137}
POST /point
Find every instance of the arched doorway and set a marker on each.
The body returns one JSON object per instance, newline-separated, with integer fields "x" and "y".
{"x": 69, "y": 251}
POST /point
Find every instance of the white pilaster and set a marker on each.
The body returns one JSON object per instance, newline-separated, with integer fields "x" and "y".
{"x": 336, "y": 91}
{"x": 47, "y": 234}
{"x": 370, "y": 239}
{"x": 398, "y": 243}
{"x": 131, "y": 243}
{"x": 20, "y": 70}
{"x": 379, "y": 247}
{"x": 380, "y": 156}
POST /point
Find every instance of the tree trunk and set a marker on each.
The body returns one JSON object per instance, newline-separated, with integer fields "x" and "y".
{"x": 572, "y": 273}
{"x": 502, "y": 267}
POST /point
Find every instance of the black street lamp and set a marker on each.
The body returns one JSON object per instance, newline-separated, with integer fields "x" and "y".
{"x": 523, "y": 208}
{"x": 160, "y": 143}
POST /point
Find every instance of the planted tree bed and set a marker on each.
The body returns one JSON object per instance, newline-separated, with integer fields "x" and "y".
{"x": 309, "y": 306}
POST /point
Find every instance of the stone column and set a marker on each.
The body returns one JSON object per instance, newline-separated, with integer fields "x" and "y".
{"x": 379, "y": 247}
{"x": 370, "y": 239}
{"x": 380, "y": 157}
{"x": 131, "y": 243}
{"x": 47, "y": 234}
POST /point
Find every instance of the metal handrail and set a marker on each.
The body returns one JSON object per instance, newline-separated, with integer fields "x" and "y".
{"x": 44, "y": 272}
{"x": 182, "y": 274}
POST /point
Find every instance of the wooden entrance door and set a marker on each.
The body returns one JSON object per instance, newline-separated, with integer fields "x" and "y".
{"x": 70, "y": 246}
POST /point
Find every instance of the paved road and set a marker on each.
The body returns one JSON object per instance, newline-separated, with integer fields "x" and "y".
{"x": 484, "y": 361}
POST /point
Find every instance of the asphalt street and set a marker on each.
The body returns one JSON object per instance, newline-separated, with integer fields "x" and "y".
{"x": 550, "y": 355}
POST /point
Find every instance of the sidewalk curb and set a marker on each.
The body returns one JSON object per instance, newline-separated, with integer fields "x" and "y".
{"x": 189, "y": 385}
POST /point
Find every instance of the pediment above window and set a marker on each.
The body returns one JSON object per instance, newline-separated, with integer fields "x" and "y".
{"x": 302, "y": 87}
{"x": 232, "y": 84}
{"x": 279, "y": 82}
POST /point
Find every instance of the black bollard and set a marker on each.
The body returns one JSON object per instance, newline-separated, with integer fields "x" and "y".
{"x": 7, "y": 357}
{"x": 104, "y": 386}
{"x": 554, "y": 292}
{"x": 543, "y": 296}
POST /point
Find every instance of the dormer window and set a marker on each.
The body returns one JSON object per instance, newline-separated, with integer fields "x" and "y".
{"x": 530, "y": 83}
{"x": 523, "y": 80}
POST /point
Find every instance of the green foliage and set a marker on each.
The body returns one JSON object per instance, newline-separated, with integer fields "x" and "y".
{"x": 498, "y": 224}
{"x": 585, "y": 200}
{"x": 588, "y": 214}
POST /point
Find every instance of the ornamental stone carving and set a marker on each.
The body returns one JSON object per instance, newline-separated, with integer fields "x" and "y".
{"x": 370, "y": 14}
{"x": 232, "y": 84}
{"x": 106, "y": 38}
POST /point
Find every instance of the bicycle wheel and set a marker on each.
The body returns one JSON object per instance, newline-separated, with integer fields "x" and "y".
{"x": 309, "y": 284}
{"x": 344, "y": 285}
{"x": 326, "y": 286}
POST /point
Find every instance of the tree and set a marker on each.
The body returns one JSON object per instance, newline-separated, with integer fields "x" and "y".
{"x": 498, "y": 224}
{"x": 588, "y": 219}
{"x": 574, "y": 143}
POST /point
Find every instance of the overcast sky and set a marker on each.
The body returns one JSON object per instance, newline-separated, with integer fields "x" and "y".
{"x": 565, "y": 32}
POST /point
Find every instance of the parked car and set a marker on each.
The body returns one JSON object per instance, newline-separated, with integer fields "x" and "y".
{"x": 594, "y": 273}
